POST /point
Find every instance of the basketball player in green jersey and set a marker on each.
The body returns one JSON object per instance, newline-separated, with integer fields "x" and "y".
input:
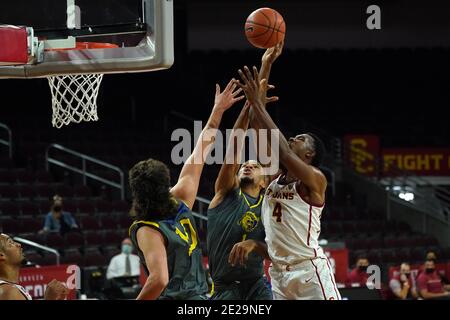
{"x": 164, "y": 230}
{"x": 236, "y": 247}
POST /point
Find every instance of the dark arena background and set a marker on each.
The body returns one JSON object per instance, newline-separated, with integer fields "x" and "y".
{"x": 377, "y": 98}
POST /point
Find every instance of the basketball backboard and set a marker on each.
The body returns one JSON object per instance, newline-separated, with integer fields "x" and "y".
{"x": 141, "y": 30}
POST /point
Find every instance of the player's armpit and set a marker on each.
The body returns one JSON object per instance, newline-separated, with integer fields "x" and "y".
{"x": 8, "y": 292}
{"x": 151, "y": 243}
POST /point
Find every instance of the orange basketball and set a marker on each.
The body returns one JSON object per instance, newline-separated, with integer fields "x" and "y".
{"x": 265, "y": 28}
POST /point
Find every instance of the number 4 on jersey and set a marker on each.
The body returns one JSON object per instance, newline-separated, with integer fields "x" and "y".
{"x": 277, "y": 212}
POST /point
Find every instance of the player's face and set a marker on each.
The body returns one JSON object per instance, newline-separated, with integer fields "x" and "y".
{"x": 302, "y": 145}
{"x": 251, "y": 171}
{"x": 12, "y": 252}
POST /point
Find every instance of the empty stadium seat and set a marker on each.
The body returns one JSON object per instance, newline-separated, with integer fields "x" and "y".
{"x": 73, "y": 240}
{"x": 89, "y": 223}
{"x": 29, "y": 225}
{"x": 54, "y": 240}
{"x": 73, "y": 256}
{"x": 94, "y": 238}
{"x": 108, "y": 223}
{"x": 8, "y": 192}
{"x": 82, "y": 192}
{"x": 29, "y": 209}
{"x": 86, "y": 206}
{"x": 26, "y": 192}
{"x": 10, "y": 226}
{"x": 93, "y": 257}
{"x": 33, "y": 256}
{"x": 110, "y": 251}
{"x": 9, "y": 209}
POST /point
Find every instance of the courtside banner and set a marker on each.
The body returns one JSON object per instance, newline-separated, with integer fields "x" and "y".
{"x": 338, "y": 259}
{"x": 418, "y": 161}
{"x": 35, "y": 280}
{"x": 362, "y": 152}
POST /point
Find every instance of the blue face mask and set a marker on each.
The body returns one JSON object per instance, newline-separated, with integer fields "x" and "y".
{"x": 126, "y": 249}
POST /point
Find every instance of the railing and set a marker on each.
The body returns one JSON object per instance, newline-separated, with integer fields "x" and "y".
{"x": 7, "y": 142}
{"x": 83, "y": 171}
{"x": 436, "y": 199}
{"x": 39, "y": 246}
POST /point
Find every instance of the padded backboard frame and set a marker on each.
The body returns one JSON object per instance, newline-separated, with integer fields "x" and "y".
{"x": 154, "y": 52}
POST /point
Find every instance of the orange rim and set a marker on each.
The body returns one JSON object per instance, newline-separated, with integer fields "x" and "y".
{"x": 88, "y": 45}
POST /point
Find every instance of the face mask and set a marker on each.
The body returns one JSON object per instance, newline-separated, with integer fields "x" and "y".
{"x": 57, "y": 208}
{"x": 126, "y": 249}
{"x": 407, "y": 274}
{"x": 429, "y": 270}
{"x": 363, "y": 268}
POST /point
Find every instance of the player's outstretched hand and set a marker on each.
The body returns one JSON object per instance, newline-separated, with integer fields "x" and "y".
{"x": 254, "y": 89}
{"x": 56, "y": 290}
{"x": 273, "y": 53}
{"x": 228, "y": 97}
{"x": 239, "y": 253}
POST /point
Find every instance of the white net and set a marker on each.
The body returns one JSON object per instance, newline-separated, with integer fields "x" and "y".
{"x": 74, "y": 98}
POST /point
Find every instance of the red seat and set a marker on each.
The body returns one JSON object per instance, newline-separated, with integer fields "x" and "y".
{"x": 104, "y": 206}
{"x": 33, "y": 256}
{"x": 54, "y": 240}
{"x": 82, "y": 192}
{"x": 121, "y": 206}
{"x": 113, "y": 238}
{"x": 43, "y": 177}
{"x": 29, "y": 225}
{"x": 108, "y": 223}
{"x": 73, "y": 256}
{"x": 94, "y": 238}
{"x": 29, "y": 209}
{"x": 64, "y": 191}
{"x": 9, "y": 226}
{"x": 24, "y": 177}
{"x": 26, "y": 192}
{"x": 73, "y": 240}
{"x": 8, "y": 192}
{"x": 6, "y": 177}
{"x": 90, "y": 223}
{"x": 9, "y": 208}
{"x": 124, "y": 221}
{"x": 86, "y": 206}
{"x": 93, "y": 257}
{"x": 110, "y": 252}
{"x": 44, "y": 192}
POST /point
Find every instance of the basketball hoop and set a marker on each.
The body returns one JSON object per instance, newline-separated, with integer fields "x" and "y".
{"x": 74, "y": 96}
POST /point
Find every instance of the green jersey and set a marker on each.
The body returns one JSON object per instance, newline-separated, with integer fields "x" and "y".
{"x": 187, "y": 278}
{"x": 235, "y": 219}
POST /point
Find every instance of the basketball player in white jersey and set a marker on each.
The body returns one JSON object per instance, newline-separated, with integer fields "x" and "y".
{"x": 11, "y": 260}
{"x": 292, "y": 209}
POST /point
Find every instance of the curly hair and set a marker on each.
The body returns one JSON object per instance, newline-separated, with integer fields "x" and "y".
{"x": 150, "y": 183}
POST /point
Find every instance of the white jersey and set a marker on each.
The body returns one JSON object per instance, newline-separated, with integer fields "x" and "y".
{"x": 291, "y": 224}
{"x": 18, "y": 287}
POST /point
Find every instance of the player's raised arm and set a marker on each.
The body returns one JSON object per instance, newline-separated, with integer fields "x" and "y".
{"x": 187, "y": 185}
{"x": 227, "y": 179}
{"x": 269, "y": 57}
{"x": 310, "y": 176}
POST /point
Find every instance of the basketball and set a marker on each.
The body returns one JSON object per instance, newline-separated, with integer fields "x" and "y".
{"x": 265, "y": 28}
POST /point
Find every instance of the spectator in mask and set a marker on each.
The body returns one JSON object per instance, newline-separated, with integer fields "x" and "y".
{"x": 403, "y": 285}
{"x": 430, "y": 283}
{"x": 359, "y": 274}
{"x": 124, "y": 264}
{"x": 58, "y": 220}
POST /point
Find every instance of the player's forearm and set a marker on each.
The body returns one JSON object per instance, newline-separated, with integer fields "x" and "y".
{"x": 152, "y": 289}
{"x": 266, "y": 122}
{"x": 261, "y": 249}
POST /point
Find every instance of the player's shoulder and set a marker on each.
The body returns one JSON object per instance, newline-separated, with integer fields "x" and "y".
{"x": 10, "y": 292}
